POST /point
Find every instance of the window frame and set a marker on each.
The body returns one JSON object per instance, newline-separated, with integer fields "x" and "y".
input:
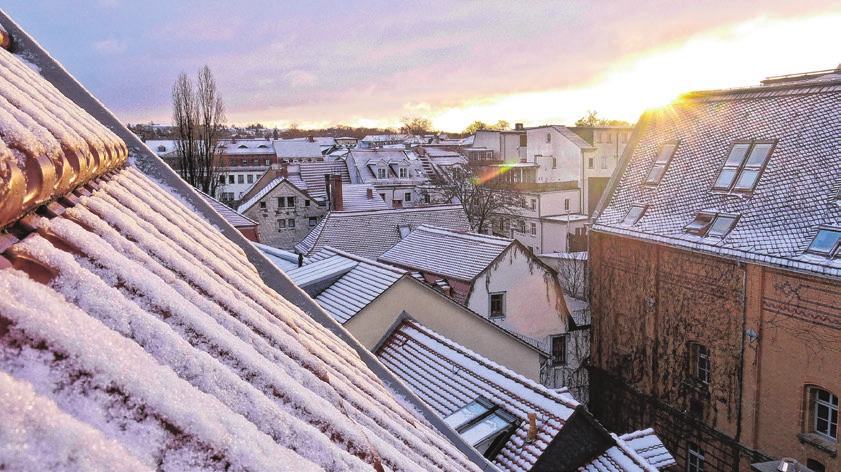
{"x": 496, "y": 298}
{"x": 695, "y": 461}
{"x": 661, "y": 163}
{"x": 404, "y": 172}
{"x": 562, "y": 359}
{"x": 382, "y": 173}
{"x": 746, "y": 163}
{"x": 701, "y": 363}
{"x": 835, "y": 248}
{"x": 481, "y": 412}
{"x": 636, "y": 217}
{"x": 823, "y": 410}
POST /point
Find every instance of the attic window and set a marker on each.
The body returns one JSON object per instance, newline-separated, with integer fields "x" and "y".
{"x": 484, "y": 425}
{"x": 661, "y": 163}
{"x": 242, "y": 146}
{"x": 708, "y": 223}
{"x": 826, "y": 242}
{"x": 382, "y": 173}
{"x": 404, "y": 230}
{"x": 744, "y": 165}
{"x": 634, "y": 214}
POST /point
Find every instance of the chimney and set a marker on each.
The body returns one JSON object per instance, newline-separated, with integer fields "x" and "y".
{"x": 369, "y": 193}
{"x": 310, "y": 139}
{"x": 338, "y": 201}
{"x": 518, "y": 126}
{"x": 532, "y": 434}
{"x": 284, "y": 171}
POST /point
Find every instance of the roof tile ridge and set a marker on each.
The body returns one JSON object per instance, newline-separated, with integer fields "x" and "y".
{"x": 633, "y": 454}
{"x": 262, "y": 193}
{"x": 495, "y": 240}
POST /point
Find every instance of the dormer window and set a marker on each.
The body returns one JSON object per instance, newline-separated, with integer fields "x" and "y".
{"x": 744, "y": 165}
{"x": 826, "y": 242}
{"x": 700, "y": 224}
{"x": 484, "y": 425}
{"x": 722, "y": 224}
{"x": 661, "y": 163}
{"x": 404, "y": 172}
{"x": 634, "y": 214}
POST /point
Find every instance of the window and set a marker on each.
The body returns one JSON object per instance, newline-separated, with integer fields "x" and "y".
{"x": 427, "y": 198}
{"x": 566, "y": 204}
{"x": 524, "y": 141}
{"x": 306, "y": 203}
{"x": 823, "y": 409}
{"x": 554, "y": 162}
{"x": 240, "y": 179}
{"x": 221, "y": 180}
{"x": 591, "y": 163}
{"x": 255, "y": 161}
{"x": 262, "y": 204}
{"x": 548, "y": 137}
{"x": 604, "y": 162}
{"x": 281, "y": 224}
{"x": 701, "y": 356}
{"x": 815, "y": 466}
{"x": 497, "y": 302}
{"x": 404, "y": 230}
{"x": 744, "y": 165}
{"x": 233, "y": 163}
{"x": 533, "y": 229}
{"x": 404, "y": 172}
{"x": 281, "y": 202}
{"x": 382, "y": 173}
{"x": 533, "y": 204}
{"x": 695, "y": 459}
{"x": 709, "y": 223}
{"x": 245, "y": 162}
{"x": 230, "y": 179}
{"x": 250, "y": 179}
{"x": 313, "y": 221}
{"x": 826, "y": 242}
{"x": 661, "y": 163}
{"x": 559, "y": 350}
{"x": 290, "y": 202}
{"x": 484, "y": 425}
{"x": 634, "y": 214}
{"x": 268, "y": 162}
{"x": 407, "y": 196}
{"x": 382, "y": 195}
{"x": 290, "y": 223}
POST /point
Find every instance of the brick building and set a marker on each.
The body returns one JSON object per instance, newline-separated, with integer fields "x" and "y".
{"x": 716, "y": 277}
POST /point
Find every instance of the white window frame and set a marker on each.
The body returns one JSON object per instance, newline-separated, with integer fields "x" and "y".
{"x": 825, "y": 413}
{"x": 695, "y": 458}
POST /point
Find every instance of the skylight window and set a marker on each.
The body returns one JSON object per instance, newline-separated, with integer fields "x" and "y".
{"x": 709, "y": 223}
{"x": 664, "y": 157}
{"x": 826, "y": 242}
{"x": 484, "y": 425}
{"x": 634, "y": 214}
{"x": 744, "y": 165}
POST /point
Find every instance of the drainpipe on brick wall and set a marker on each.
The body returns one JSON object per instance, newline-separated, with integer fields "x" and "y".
{"x": 744, "y": 268}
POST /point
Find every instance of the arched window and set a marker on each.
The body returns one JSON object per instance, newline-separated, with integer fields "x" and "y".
{"x": 822, "y": 413}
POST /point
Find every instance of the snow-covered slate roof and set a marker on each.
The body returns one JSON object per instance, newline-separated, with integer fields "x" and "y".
{"x": 796, "y": 193}
{"x": 371, "y": 233}
{"x": 284, "y": 260}
{"x": 136, "y": 336}
{"x": 357, "y": 287}
{"x": 313, "y": 174}
{"x": 448, "y": 376}
{"x": 296, "y": 149}
{"x": 246, "y": 147}
{"x": 355, "y": 198}
{"x": 448, "y": 253}
{"x": 236, "y": 219}
{"x": 648, "y": 445}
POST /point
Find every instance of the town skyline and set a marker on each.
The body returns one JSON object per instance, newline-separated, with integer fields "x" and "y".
{"x": 370, "y": 64}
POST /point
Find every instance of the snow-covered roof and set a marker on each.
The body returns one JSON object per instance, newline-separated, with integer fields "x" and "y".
{"x": 362, "y": 281}
{"x": 371, "y": 233}
{"x": 646, "y": 443}
{"x": 796, "y": 192}
{"x": 313, "y": 174}
{"x": 296, "y": 149}
{"x": 448, "y": 253}
{"x": 236, "y": 219}
{"x": 449, "y": 376}
{"x": 355, "y": 198}
{"x": 171, "y": 351}
{"x": 161, "y": 147}
{"x": 284, "y": 260}
{"x": 570, "y": 218}
{"x": 574, "y": 138}
{"x": 246, "y": 147}
{"x": 364, "y": 164}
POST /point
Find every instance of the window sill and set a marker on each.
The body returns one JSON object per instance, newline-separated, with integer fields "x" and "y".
{"x": 821, "y": 442}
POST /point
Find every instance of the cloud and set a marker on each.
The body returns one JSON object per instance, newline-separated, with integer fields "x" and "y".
{"x": 110, "y": 47}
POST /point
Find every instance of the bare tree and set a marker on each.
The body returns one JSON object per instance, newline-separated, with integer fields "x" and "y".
{"x": 415, "y": 126}
{"x": 198, "y": 115}
{"x": 484, "y": 195}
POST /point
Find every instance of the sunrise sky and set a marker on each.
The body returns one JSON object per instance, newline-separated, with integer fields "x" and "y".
{"x": 318, "y": 63}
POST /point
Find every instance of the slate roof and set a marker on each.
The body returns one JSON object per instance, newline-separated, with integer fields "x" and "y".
{"x": 371, "y": 233}
{"x": 296, "y": 149}
{"x": 246, "y": 146}
{"x": 313, "y": 174}
{"x": 448, "y": 376}
{"x": 362, "y": 165}
{"x": 797, "y": 192}
{"x": 361, "y": 281}
{"x": 355, "y": 198}
{"x": 443, "y": 252}
{"x": 170, "y": 351}
{"x": 236, "y": 219}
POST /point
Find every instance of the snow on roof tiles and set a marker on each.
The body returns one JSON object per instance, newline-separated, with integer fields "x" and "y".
{"x": 447, "y": 253}
{"x": 648, "y": 445}
{"x": 296, "y": 182}
{"x": 355, "y": 198}
{"x": 371, "y": 233}
{"x": 236, "y": 219}
{"x": 796, "y": 192}
{"x": 296, "y": 149}
{"x": 313, "y": 174}
{"x": 169, "y": 343}
{"x": 357, "y": 288}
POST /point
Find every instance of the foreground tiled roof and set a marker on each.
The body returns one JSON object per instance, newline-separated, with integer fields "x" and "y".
{"x": 371, "y": 233}
{"x": 448, "y": 376}
{"x": 446, "y": 253}
{"x": 796, "y": 193}
{"x": 136, "y": 336}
